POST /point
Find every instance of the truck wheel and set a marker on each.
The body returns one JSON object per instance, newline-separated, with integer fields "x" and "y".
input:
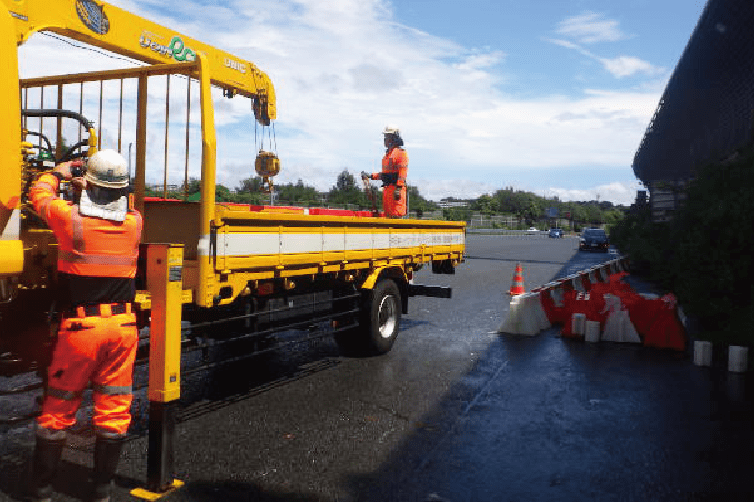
{"x": 382, "y": 316}
{"x": 379, "y": 321}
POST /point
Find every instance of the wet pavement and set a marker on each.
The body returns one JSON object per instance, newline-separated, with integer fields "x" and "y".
{"x": 455, "y": 412}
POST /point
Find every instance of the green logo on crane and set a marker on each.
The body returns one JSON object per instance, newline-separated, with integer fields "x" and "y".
{"x": 179, "y": 50}
{"x": 175, "y": 49}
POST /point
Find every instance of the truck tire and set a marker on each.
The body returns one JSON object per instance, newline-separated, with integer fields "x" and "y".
{"x": 383, "y": 316}
{"x": 379, "y": 322}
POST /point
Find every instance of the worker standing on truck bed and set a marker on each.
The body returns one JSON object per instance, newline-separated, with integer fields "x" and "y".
{"x": 98, "y": 246}
{"x": 393, "y": 175}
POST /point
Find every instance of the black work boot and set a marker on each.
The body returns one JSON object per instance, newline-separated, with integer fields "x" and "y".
{"x": 47, "y": 453}
{"x": 107, "y": 450}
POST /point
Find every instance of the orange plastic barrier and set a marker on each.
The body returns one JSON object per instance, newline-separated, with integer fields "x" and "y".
{"x": 655, "y": 320}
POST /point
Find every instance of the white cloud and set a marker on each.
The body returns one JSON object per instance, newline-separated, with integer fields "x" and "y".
{"x": 481, "y": 61}
{"x": 343, "y": 69}
{"x": 459, "y": 188}
{"x": 591, "y": 27}
{"x": 625, "y": 66}
{"x": 616, "y": 192}
{"x": 622, "y": 66}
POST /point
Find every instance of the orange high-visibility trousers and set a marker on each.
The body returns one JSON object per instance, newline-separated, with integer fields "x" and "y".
{"x": 100, "y": 349}
{"x": 394, "y": 208}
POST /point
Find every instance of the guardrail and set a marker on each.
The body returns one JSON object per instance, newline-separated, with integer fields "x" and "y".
{"x": 519, "y": 233}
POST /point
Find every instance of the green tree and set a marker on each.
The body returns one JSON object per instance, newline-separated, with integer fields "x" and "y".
{"x": 346, "y": 192}
{"x": 194, "y": 186}
{"x": 593, "y": 214}
{"x": 418, "y": 203}
{"x": 298, "y": 194}
{"x": 346, "y": 182}
{"x": 253, "y": 184}
{"x": 456, "y": 214}
{"x": 223, "y": 194}
{"x": 484, "y": 204}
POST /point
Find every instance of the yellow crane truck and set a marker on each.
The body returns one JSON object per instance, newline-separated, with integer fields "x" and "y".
{"x": 245, "y": 267}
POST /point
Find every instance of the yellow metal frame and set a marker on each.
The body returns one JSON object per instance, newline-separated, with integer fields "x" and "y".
{"x": 207, "y": 277}
{"x": 363, "y": 266}
{"x": 11, "y": 257}
{"x": 145, "y": 494}
{"x": 124, "y": 33}
{"x": 164, "y": 281}
{"x": 396, "y": 272}
{"x": 11, "y": 254}
{"x": 144, "y": 40}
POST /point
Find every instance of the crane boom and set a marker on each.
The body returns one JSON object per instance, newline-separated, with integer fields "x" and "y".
{"x": 119, "y": 31}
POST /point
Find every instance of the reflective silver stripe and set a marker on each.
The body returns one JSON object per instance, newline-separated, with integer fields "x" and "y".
{"x": 139, "y": 224}
{"x": 97, "y": 259}
{"x": 113, "y": 390}
{"x": 50, "y": 434}
{"x": 65, "y": 395}
{"x": 40, "y": 184}
{"x": 77, "y": 230}
{"x": 106, "y": 434}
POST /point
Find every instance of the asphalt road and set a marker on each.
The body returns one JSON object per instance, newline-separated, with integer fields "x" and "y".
{"x": 454, "y": 412}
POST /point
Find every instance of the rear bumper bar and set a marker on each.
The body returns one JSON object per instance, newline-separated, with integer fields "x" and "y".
{"x": 431, "y": 291}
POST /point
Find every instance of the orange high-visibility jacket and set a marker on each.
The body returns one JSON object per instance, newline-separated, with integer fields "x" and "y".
{"x": 395, "y": 166}
{"x": 96, "y": 265}
{"x": 89, "y": 247}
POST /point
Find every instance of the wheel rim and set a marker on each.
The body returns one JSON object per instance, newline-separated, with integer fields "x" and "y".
{"x": 387, "y": 316}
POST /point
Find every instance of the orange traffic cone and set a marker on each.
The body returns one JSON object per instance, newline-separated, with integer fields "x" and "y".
{"x": 517, "y": 288}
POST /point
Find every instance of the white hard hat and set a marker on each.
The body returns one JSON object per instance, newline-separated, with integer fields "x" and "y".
{"x": 107, "y": 168}
{"x": 391, "y": 129}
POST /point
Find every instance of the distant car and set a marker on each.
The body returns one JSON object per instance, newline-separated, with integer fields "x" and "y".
{"x": 532, "y": 230}
{"x": 594, "y": 238}
{"x": 556, "y": 233}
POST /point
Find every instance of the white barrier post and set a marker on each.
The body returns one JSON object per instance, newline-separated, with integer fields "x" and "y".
{"x": 702, "y": 353}
{"x": 738, "y": 359}
{"x": 592, "y": 332}
{"x": 578, "y": 324}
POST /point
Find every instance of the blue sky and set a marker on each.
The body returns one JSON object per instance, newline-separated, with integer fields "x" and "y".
{"x": 551, "y": 96}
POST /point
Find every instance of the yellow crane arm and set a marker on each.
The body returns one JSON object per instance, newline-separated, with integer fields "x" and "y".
{"x": 119, "y": 31}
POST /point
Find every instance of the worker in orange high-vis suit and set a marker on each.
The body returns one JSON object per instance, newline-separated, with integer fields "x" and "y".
{"x": 98, "y": 245}
{"x": 393, "y": 175}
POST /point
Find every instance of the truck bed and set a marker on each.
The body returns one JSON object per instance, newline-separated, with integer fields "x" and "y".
{"x": 249, "y": 244}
